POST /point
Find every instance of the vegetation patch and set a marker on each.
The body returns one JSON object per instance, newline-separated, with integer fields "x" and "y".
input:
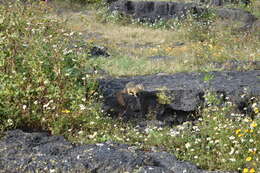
{"x": 45, "y": 85}
{"x": 43, "y": 81}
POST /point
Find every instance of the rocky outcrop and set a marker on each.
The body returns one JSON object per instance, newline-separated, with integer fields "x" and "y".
{"x": 256, "y": 26}
{"x": 235, "y": 14}
{"x": 40, "y": 152}
{"x": 175, "y": 98}
{"x": 152, "y": 10}
{"x": 224, "y": 2}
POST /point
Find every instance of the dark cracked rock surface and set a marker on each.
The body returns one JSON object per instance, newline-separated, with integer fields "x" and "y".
{"x": 184, "y": 93}
{"x": 40, "y": 152}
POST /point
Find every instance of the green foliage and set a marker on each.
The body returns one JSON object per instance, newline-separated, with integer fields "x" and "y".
{"x": 42, "y": 81}
{"x": 163, "y": 98}
{"x": 208, "y": 77}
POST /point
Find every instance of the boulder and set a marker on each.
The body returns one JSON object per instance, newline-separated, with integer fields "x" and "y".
{"x": 235, "y": 14}
{"x": 41, "y": 152}
{"x": 154, "y": 10}
{"x": 176, "y": 98}
{"x": 99, "y": 51}
{"x": 256, "y": 26}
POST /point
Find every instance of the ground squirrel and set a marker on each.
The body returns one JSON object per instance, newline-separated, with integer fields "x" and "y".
{"x": 131, "y": 88}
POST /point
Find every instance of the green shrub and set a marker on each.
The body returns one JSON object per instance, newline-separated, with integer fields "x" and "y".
{"x": 42, "y": 81}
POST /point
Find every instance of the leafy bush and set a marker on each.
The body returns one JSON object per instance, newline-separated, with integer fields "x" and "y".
{"x": 42, "y": 81}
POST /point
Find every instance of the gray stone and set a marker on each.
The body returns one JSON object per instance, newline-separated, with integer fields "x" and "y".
{"x": 154, "y": 10}
{"x": 256, "y": 26}
{"x": 236, "y": 15}
{"x": 99, "y": 51}
{"x": 184, "y": 92}
{"x": 40, "y": 152}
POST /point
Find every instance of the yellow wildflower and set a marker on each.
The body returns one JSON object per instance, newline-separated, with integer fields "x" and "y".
{"x": 238, "y": 130}
{"x": 240, "y": 135}
{"x": 248, "y": 159}
{"x": 253, "y": 151}
{"x": 253, "y": 124}
{"x": 245, "y": 170}
{"x": 252, "y": 170}
{"x": 65, "y": 111}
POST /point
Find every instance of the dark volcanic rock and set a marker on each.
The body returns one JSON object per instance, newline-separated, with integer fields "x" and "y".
{"x": 236, "y": 15}
{"x": 99, "y": 51}
{"x": 184, "y": 93}
{"x": 152, "y": 10}
{"x": 39, "y": 152}
{"x": 256, "y": 26}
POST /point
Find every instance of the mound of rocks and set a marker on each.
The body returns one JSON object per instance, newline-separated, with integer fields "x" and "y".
{"x": 40, "y": 152}
{"x": 176, "y": 98}
{"x": 235, "y": 14}
{"x": 153, "y": 10}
